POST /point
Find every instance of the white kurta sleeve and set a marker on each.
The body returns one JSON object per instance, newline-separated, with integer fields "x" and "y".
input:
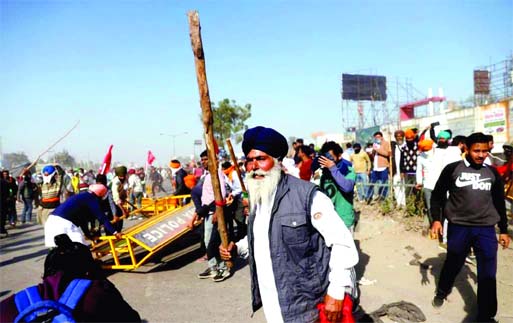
{"x": 243, "y": 248}
{"x": 344, "y": 255}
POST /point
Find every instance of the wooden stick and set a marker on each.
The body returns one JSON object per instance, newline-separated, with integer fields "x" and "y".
{"x": 208, "y": 121}
{"x": 234, "y": 161}
{"x": 390, "y": 166}
{"x": 47, "y": 149}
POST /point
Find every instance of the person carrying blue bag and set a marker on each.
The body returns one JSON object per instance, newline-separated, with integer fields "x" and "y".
{"x": 74, "y": 289}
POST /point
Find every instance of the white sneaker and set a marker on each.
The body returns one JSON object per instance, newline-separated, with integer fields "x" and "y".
{"x": 222, "y": 274}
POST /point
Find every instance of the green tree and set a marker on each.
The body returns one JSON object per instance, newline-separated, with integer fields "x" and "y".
{"x": 63, "y": 158}
{"x": 14, "y": 160}
{"x": 229, "y": 120}
{"x": 88, "y": 165}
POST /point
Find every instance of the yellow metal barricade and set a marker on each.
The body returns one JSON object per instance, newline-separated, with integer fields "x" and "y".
{"x": 141, "y": 241}
{"x": 151, "y": 206}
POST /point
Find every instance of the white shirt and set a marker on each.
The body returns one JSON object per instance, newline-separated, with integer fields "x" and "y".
{"x": 115, "y": 191}
{"x": 397, "y": 157}
{"x": 344, "y": 255}
{"x": 441, "y": 158}
{"x": 262, "y": 254}
{"x": 135, "y": 183}
{"x": 290, "y": 166}
{"x": 207, "y": 192}
{"x": 234, "y": 184}
{"x": 424, "y": 165}
{"x": 376, "y": 157}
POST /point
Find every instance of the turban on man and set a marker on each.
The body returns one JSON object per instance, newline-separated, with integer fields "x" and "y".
{"x": 174, "y": 164}
{"x": 444, "y": 134}
{"x": 267, "y": 140}
{"x": 409, "y": 134}
{"x": 425, "y": 145}
{"x": 120, "y": 171}
{"x": 398, "y": 132}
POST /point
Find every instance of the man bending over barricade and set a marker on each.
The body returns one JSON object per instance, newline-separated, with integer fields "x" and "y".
{"x": 72, "y": 217}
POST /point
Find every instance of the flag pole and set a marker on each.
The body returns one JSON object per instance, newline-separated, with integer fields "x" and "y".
{"x": 47, "y": 149}
{"x": 208, "y": 121}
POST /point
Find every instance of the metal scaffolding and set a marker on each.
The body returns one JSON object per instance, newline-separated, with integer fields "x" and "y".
{"x": 501, "y": 82}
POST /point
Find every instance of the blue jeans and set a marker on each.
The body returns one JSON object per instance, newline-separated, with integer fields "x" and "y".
{"x": 11, "y": 211}
{"x": 483, "y": 241}
{"x": 378, "y": 177}
{"x": 26, "y": 214}
{"x": 361, "y": 184}
{"x": 136, "y": 199}
{"x": 212, "y": 242}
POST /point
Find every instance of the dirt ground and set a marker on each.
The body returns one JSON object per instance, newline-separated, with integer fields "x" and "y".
{"x": 399, "y": 263}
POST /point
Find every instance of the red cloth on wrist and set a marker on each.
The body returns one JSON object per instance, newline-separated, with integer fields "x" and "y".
{"x": 347, "y": 311}
{"x": 221, "y": 203}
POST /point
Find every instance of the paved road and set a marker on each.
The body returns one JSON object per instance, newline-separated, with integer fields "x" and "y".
{"x": 171, "y": 293}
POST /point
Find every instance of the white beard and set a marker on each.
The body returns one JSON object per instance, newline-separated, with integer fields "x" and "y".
{"x": 261, "y": 191}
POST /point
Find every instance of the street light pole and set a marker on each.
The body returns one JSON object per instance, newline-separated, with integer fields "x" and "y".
{"x": 173, "y": 136}
{"x": 174, "y": 153}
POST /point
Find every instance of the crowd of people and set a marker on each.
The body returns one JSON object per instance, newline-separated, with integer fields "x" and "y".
{"x": 291, "y": 212}
{"x": 290, "y": 191}
{"x": 46, "y": 190}
{"x": 460, "y": 180}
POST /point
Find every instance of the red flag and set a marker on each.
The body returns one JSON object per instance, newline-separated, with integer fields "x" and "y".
{"x": 106, "y": 161}
{"x": 151, "y": 158}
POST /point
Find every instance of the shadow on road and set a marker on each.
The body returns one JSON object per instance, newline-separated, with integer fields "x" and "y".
{"x": 24, "y": 229}
{"x": 196, "y": 255}
{"x": 42, "y": 252}
{"x": 3, "y": 246}
{"x": 360, "y": 314}
{"x": 27, "y": 246}
{"x": 363, "y": 261}
{"x": 432, "y": 267}
{"x": 182, "y": 261}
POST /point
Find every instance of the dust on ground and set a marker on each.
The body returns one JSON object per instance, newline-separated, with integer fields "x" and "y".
{"x": 398, "y": 262}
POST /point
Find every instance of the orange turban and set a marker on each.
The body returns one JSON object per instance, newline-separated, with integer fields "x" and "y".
{"x": 409, "y": 134}
{"x": 190, "y": 181}
{"x": 174, "y": 164}
{"x": 425, "y": 145}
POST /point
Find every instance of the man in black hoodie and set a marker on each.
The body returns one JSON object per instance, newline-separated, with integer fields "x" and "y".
{"x": 474, "y": 206}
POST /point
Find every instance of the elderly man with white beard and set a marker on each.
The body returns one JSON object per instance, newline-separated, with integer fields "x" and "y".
{"x": 300, "y": 252}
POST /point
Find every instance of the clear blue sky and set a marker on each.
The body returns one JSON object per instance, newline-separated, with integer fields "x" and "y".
{"x": 125, "y": 68}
